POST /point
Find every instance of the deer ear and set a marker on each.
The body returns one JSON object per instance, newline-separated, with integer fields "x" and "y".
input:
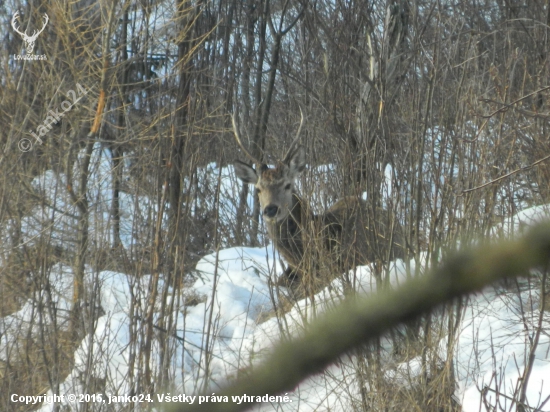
{"x": 245, "y": 172}
{"x": 297, "y": 162}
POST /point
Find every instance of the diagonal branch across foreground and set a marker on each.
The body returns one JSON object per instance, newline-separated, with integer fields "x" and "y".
{"x": 359, "y": 320}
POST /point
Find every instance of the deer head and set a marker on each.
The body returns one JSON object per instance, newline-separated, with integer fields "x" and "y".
{"x": 29, "y": 40}
{"x": 275, "y": 185}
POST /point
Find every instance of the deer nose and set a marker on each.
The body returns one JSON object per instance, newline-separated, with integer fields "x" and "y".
{"x": 271, "y": 210}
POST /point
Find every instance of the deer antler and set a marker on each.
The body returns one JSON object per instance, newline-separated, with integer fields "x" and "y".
{"x": 236, "y": 133}
{"x": 14, "y": 24}
{"x": 291, "y": 148}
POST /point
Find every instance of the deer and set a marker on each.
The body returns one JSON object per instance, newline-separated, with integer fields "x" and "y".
{"x": 342, "y": 236}
{"x": 29, "y": 40}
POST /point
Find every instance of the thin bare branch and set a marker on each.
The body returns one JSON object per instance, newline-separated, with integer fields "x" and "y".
{"x": 521, "y": 169}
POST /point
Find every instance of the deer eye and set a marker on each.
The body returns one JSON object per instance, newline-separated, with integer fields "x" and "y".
{"x": 258, "y": 190}
{"x": 288, "y": 186}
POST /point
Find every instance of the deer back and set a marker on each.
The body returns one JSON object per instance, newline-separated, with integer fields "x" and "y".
{"x": 357, "y": 237}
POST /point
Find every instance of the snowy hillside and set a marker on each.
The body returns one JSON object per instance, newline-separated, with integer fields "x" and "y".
{"x": 490, "y": 353}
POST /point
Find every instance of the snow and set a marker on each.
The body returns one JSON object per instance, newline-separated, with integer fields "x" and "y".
{"x": 230, "y": 308}
{"x": 497, "y": 332}
{"x": 494, "y": 336}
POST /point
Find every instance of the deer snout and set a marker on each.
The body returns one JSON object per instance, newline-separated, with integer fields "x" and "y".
{"x": 271, "y": 211}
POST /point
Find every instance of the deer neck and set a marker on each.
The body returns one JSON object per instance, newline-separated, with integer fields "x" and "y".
{"x": 295, "y": 219}
{"x": 291, "y": 226}
{"x": 287, "y": 233}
